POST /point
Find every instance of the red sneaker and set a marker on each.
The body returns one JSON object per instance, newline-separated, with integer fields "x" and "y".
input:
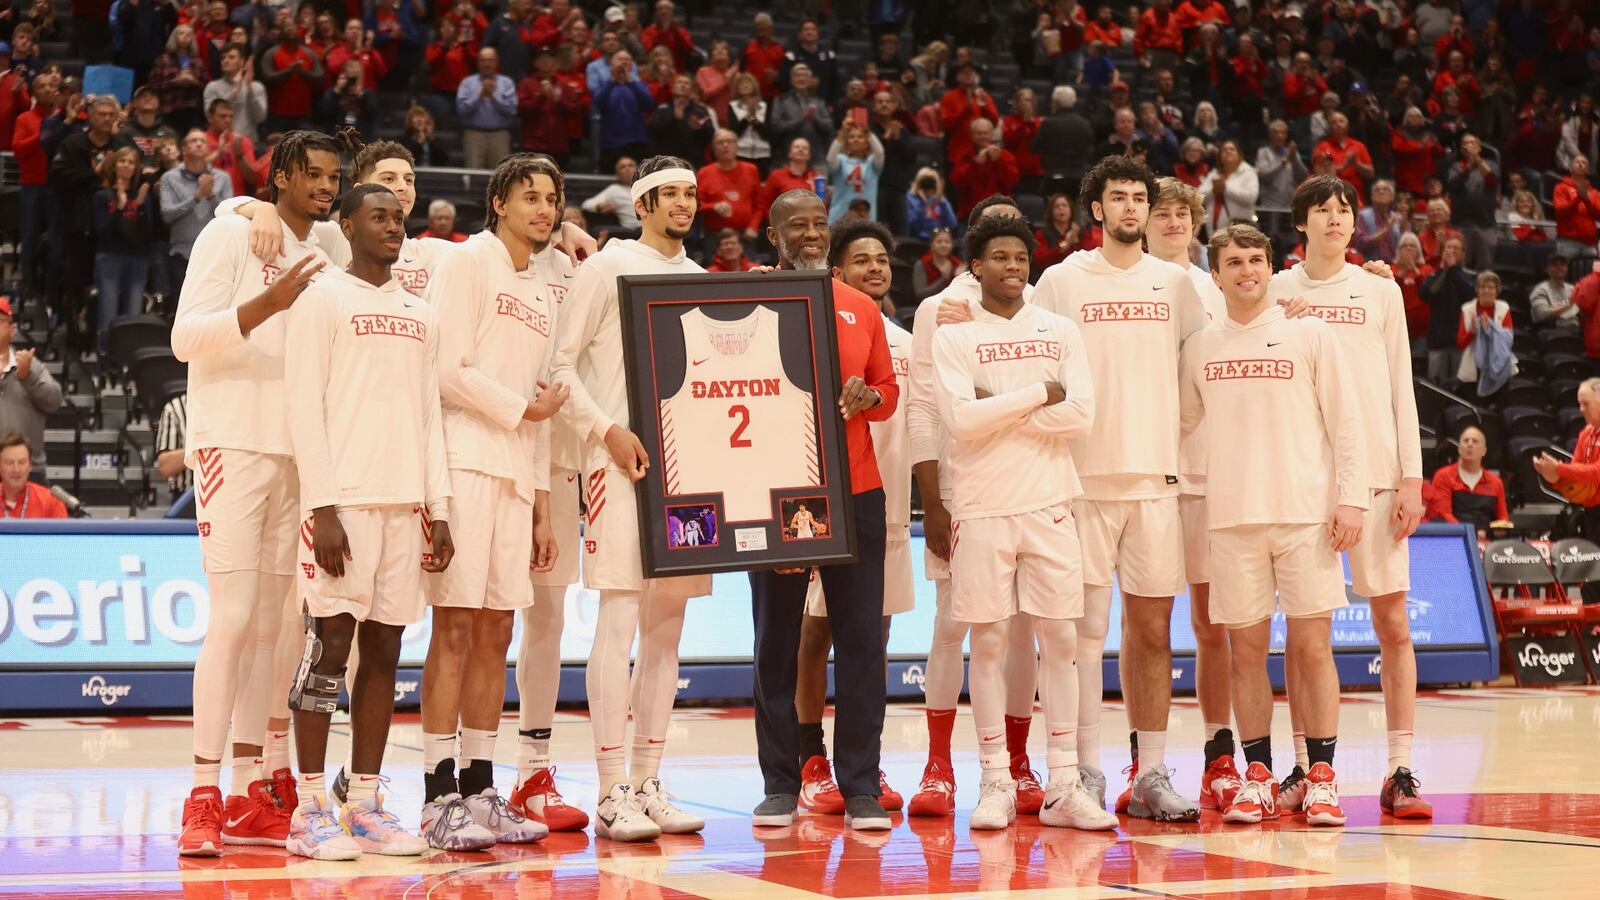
{"x": 202, "y": 823}
{"x": 1221, "y": 783}
{"x": 1132, "y": 771}
{"x": 1253, "y": 801}
{"x": 286, "y": 791}
{"x": 936, "y": 796}
{"x": 818, "y": 792}
{"x": 1322, "y": 796}
{"x": 888, "y": 797}
{"x": 255, "y": 819}
{"x": 538, "y": 799}
{"x": 1400, "y": 799}
{"x": 1030, "y": 794}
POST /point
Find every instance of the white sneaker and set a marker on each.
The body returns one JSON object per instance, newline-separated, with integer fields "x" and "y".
{"x": 657, "y": 804}
{"x": 447, "y": 825}
{"x": 997, "y": 805}
{"x": 490, "y": 810}
{"x": 619, "y": 817}
{"x": 1067, "y": 804}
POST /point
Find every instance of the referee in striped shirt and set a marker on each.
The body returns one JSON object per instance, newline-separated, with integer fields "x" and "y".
{"x": 169, "y": 444}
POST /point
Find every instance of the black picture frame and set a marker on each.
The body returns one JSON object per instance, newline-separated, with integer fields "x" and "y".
{"x": 723, "y": 539}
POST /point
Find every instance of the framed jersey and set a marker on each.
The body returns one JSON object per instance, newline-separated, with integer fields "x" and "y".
{"x": 733, "y": 382}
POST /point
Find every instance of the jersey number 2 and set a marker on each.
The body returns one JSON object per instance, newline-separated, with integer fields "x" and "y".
{"x": 742, "y": 413}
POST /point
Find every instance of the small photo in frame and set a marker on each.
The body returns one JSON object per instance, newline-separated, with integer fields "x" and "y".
{"x": 691, "y": 526}
{"x": 805, "y": 518}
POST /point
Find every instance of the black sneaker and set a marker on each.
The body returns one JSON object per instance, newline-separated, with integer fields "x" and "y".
{"x": 776, "y": 811}
{"x": 863, "y": 813}
{"x": 1292, "y": 792}
{"x": 341, "y": 787}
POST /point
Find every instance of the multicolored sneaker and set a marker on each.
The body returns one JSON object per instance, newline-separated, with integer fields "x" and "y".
{"x": 1152, "y": 797}
{"x": 1030, "y": 794}
{"x": 619, "y": 817}
{"x": 315, "y": 833}
{"x": 888, "y": 797}
{"x": 1068, "y": 805}
{"x": 936, "y": 795}
{"x": 657, "y": 804}
{"x": 1322, "y": 796}
{"x": 1400, "y": 797}
{"x": 818, "y": 791}
{"x": 1126, "y": 797}
{"x": 448, "y": 825}
{"x": 255, "y": 819}
{"x": 1256, "y": 800}
{"x": 1292, "y": 792}
{"x": 538, "y": 799}
{"x": 376, "y": 830}
{"x": 508, "y": 827}
{"x": 1219, "y": 784}
{"x": 286, "y": 790}
{"x": 202, "y": 823}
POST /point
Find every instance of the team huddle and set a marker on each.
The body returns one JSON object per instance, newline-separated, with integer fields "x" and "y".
{"x": 383, "y": 426}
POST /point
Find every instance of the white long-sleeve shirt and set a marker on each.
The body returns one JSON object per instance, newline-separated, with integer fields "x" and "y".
{"x": 925, "y": 430}
{"x": 330, "y": 237}
{"x": 1009, "y": 453}
{"x": 1283, "y": 427}
{"x": 235, "y": 380}
{"x": 1191, "y": 447}
{"x": 496, "y": 328}
{"x": 365, "y": 390}
{"x": 557, "y": 271}
{"x": 1134, "y": 322}
{"x": 890, "y": 440}
{"x": 588, "y": 357}
{"x": 1367, "y": 314}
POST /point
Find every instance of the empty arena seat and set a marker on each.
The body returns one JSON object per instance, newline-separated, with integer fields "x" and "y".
{"x": 1527, "y": 421}
{"x": 1516, "y": 564}
{"x": 1577, "y": 563}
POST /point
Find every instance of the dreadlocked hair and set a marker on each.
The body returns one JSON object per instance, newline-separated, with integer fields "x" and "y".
{"x": 293, "y": 153}
{"x": 655, "y": 164}
{"x": 514, "y": 170}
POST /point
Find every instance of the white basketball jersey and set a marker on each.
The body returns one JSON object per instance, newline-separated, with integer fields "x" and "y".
{"x": 755, "y": 432}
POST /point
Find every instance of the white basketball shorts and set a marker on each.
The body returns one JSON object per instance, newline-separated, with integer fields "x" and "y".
{"x": 1252, "y": 562}
{"x": 492, "y": 528}
{"x": 1003, "y": 565}
{"x": 247, "y": 507}
{"x": 382, "y": 578}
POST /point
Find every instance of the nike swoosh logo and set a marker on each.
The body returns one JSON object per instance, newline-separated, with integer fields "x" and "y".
{"x": 606, "y": 820}
{"x": 1355, "y": 296}
{"x": 1154, "y": 288}
{"x": 1052, "y": 803}
{"x": 699, "y": 361}
{"x": 235, "y": 823}
{"x": 658, "y": 740}
{"x": 1059, "y": 733}
{"x": 571, "y": 478}
{"x": 609, "y": 749}
{"x": 1273, "y": 343}
{"x": 1060, "y": 519}
{"x": 1043, "y": 330}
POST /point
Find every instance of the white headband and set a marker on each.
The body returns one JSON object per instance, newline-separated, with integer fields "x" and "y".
{"x": 648, "y": 183}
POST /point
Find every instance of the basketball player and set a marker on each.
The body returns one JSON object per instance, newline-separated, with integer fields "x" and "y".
{"x": 859, "y": 256}
{"x": 369, "y": 448}
{"x": 229, "y": 331}
{"x": 495, "y": 325}
{"x": 1171, "y": 230}
{"x": 1367, "y": 316}
{"x": 854, "y": 591}
{"x": 1134, "y": 311}
{"x": 1013, "y": 387}
{"x": 539, "y": 651}
{"x": 802, "y": 522}
{"x": 589, "y": 362}
{"x": 936, "y": 795}
{"x": 1282, "y": 411}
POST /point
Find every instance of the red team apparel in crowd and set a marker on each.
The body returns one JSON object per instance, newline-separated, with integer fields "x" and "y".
{"x": 370, "y": 442}
{"x": 734, "y": 384}
{"x": 864, "y": 352}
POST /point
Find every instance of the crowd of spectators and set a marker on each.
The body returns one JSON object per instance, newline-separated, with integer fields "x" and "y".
{"x": 1467, "y": 126}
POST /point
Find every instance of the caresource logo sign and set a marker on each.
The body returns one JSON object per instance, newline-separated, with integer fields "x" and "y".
{"x": 109, "y": 694}
{"x": 1554, "y": 664}
{"x": 1510, "y": 557}
{"x": 1572, "y": 555}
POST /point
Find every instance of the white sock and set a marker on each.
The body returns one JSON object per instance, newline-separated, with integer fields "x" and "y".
{"x": 207, "y": 774}
{"x": 246, "y": 771}
{"x": 1061, "y": 754}
{"x": 436, "y": 748}
{"x": 362, "y": 787}
{"x": 533, "y": 753}
{"x": 1211, "y": 732}
{"x": 612, "y": 767}
{"x": 275, "y": 755}
{"x": 476, "y": 743}
{"x": 987, "y": 686}
{"x": 1152, "y": 749}
{"x": 1091, "y": 631}
{"x": 645, "y": 760}
{"x": 1088, "y": 739}
{"x": 312, "y": 789}
{"x": 1399, "y": 750}
{"x": 1302, "y": 756}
